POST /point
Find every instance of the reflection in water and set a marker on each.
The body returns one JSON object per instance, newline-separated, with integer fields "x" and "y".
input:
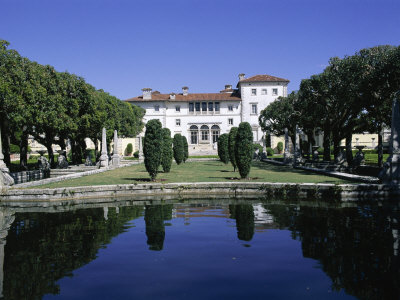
{"x": 244, "y": 215}
{"x": 43, "y": 248}
{"x": 356, "y": 247}
{"x": 154, "y": 217}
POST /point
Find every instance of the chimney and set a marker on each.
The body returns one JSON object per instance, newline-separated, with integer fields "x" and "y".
{"x": 228, "y": 86}
{"x": 185, "y": 90}
{"x": 146, "y": 93}
{"x": 172, "y": 96}
{"x": 241, "y": 76}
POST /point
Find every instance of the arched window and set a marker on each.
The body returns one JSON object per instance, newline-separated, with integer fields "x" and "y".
{"x": 194, "y": 134}
{"x": 215, "y": 131}
{"x": 205, "y": 132}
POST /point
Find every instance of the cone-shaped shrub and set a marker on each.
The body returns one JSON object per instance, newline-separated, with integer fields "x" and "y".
{"x": 244, "y": 149}
{"x": 223, "y": 150}
{"x": 231, "y": 146}
{"x": 178, "y": 148}
{"x": 152, "y": 147}
{"x": 167, "y": 153}
{"x": 185, "y": 148}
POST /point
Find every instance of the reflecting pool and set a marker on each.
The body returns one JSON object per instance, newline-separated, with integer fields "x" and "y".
{"x": 231, "y": 249}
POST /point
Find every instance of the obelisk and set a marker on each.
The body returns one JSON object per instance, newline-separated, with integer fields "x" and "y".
{"x": 104, "y": 156}
{"x": 116, "y": 158}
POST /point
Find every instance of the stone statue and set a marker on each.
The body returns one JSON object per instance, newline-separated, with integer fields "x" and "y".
{"x": 88, "y": 161}
{"x": 315, "y": 154}
{"x": 5, "y": 177}
{"x": 43, "y": 163}
{"x": 340, "y": 159}
{"x": 390, "y": 173}
{"x": 359, "y": 159}
{"x": 62, "y": 162}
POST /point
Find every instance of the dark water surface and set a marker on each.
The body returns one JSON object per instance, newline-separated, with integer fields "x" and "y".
{"x": 202, "y": 250}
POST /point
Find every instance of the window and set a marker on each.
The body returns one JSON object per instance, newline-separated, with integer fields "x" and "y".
{"x": 178, "y": 122}
{"x": 191, "y": 107}
{"x": 194, "y": 133}
{"x": 210, "y": 106}
{"x": 156, "y": 107}
{"x": 203, "y": 106}
{"x": 204, "y": 133}
{"x": 230, "y": 107}
{"x": 197, "y": 106}
{"x": 264, "y": 92}
{"x": 254, "y": 109}
{"x": 230, "y": 121}
{"x": 178, "y": 108}
{"x": 253, "y": 92}
{"x": 216, "y": 106}
{"x": 215, "y": 133}
{"x": 274, "y": 92}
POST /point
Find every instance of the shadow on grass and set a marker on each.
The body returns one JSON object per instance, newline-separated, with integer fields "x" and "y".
{"x": 144, "y": 179}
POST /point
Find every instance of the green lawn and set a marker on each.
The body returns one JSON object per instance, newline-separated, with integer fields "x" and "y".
{"x": 208, "y": 171}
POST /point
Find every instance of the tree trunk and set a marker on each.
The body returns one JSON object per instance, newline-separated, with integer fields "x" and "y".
{"x": 380, "y": 147}
{"x": 349, "y": 150}
{"x": 327, "y": 144}
{"x": 49, "y": 147}
{"x": 5, "y": 137}
{"x": 23, "y": 159}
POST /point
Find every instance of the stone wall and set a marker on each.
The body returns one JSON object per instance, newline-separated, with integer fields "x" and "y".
{"x": 26, "y": 176}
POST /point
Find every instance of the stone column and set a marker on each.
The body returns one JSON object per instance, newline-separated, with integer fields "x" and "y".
{"x": 297, "y": 153}
{"x": 104, "y": 156}
{"x": 5, "y": 178}
{"x": 116, "y": 158}
{"x": 390, "y": 173}
{"x": 286, "y": 154}
{"x": 141, "y": 155}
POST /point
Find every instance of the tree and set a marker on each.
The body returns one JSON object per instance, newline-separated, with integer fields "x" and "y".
{"x": 179, "y": 152}
{"x": 231, "y": 146}
{"x": 167, "y": 153}
{"x": 185, "y": 148}
{"x": 244, "y": 149}
{"x": 152, "y": 147}
{"x": 223, "y": 148}
{"x": 280, "y": 114}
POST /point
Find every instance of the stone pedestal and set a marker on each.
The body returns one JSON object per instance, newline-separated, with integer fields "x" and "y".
{"x": 103, "y": 161}
{"x": 390, "y": 173}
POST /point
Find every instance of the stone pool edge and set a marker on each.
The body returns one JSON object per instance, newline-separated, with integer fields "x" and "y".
{"x": 321, "y": 191}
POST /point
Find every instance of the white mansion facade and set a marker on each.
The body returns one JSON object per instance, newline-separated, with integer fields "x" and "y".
{"x": 203, "y": 117}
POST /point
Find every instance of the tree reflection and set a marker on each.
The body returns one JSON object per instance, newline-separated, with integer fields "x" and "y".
{"x": 154, "y": 217}
{"x": 244, "y": 215}
{"x": 357, "y": 247}
{"x": 45, "y": 247}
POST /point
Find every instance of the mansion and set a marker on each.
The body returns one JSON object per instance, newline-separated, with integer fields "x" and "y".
{"x": 203, "y": 117}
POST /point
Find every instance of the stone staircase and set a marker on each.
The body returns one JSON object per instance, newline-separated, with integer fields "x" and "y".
{"x": 202, "y": 149}
{"x": 70, "y": 170}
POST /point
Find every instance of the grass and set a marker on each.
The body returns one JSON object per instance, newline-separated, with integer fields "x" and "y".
{"x": 210, "y": 171}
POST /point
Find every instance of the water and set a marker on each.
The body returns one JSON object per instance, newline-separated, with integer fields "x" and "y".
{"x": 202, "y": 250}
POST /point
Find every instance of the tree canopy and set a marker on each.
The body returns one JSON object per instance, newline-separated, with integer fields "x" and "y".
{"x": 56, "y": 106}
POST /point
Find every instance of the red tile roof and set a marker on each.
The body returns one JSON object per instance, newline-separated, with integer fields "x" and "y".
{"x": 264, "y": 78}
{"x": 190, "y": 97}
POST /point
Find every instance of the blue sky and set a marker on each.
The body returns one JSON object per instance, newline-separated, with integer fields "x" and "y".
{"x": 124, "y": 46}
